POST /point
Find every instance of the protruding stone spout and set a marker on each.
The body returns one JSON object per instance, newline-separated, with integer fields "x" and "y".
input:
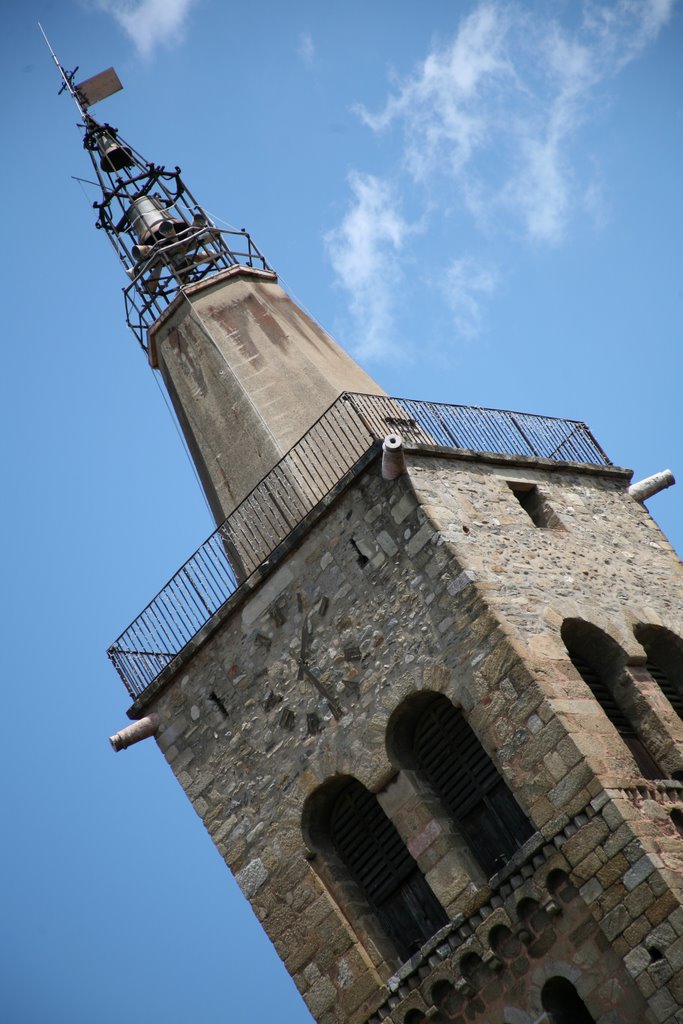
{"x": 652, "y": 485}
{"x": 135, "y": 732}
{"x": 393, "y": 457}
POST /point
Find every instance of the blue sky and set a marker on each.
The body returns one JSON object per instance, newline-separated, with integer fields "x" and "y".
{"x": 480, "y": 200}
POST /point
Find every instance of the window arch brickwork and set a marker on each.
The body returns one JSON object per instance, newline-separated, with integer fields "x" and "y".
{"x": 664, "y": 651}
{"x": 376, "y": 857}
{"x": 599, "y": 660}
{"x": 464, "y": 777}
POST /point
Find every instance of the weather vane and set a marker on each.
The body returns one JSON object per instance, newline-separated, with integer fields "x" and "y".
{"x": 88, "y": 92}
{"x": 161, "y": 235}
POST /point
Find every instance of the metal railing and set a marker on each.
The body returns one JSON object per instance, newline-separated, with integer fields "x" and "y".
{"x": 294, "y": 488}
{"x": 192, "y": 255}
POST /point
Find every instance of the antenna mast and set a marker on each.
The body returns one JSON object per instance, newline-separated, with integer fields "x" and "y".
{"x": 163, "y": 238}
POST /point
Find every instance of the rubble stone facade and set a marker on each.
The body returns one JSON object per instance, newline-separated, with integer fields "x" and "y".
{"x": 470, "y": 579}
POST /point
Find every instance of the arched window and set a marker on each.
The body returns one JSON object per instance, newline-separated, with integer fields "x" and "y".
{"x": 599, "y": 660}
{"x": 464, "y": 777}
{"x": 371, "y": 849}
{"x": 563, "y": 1004}
{"x": 664, "y": 651}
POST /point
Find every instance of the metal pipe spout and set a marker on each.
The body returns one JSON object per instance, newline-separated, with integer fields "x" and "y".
{"x": 652, "y": 485}
{"x": 393, "y": 457}
{"x": 135, "y": 732}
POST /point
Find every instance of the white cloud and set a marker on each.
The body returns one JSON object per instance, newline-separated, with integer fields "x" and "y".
{"x": 364, "y": 251}
{"x": 489, "y": 124}
{"x": 625, "y": 27}
{"x": 150, "y": 23}
{"x": 497, "y": 109}
{"x": 442, "y": 108}
{"x": 465, "y": 283}
{"x": 306, "y": 48}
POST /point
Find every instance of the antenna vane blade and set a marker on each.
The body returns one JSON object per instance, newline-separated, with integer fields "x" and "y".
{"x": 97, "y": 88}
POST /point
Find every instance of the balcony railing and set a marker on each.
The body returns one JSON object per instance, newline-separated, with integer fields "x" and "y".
{"x": 335, "y": 443}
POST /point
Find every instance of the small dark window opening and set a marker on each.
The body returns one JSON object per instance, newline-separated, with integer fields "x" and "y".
{"x": 563, "y": 1004}
{"x": 466, "y": 780}
{"x": 536, "y": 506}
{"x": 362, "y": 558}
{"x": 378, "y": 860}
{"x": 596, "y": 681}
{"x": 664, "y": 651}
{"x": 677, "y": 819}
{"x": 219, "y": 703}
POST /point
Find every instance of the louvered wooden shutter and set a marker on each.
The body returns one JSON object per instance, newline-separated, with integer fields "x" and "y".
{"x": 666, "y": 685}
{"x": 377, "y": 858}
{"x": 465, "y": 778}
{"x": 648, "y": 766}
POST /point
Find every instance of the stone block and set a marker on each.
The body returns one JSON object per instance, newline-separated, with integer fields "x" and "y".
{"x": 646, "y": 984}
{"x": 661, "y": 908}
{"x": 639, "y": 900}
{"x": 674, "y": 954}
{"x": 614, "y": 869}
{"x": 403, "y": 508}
{"x": 578, "y": 847}
{"x": 663, "y": 1006}
{"x": 418, "y": 541}
{"x": 419, "y": 843}
{"x": 363, "y": 987}
{"x": 637, "y": 960}
{"x": 387, "y": 543}
{"x": 569, "y": 787}
{"x": 637, "y": 931}
{"x": 252, "y": 877}
{"x": 641, "y": 870}
{"x": 320, "y": 996}
{"x": 616, "y": 921}
{"x": 661, "y": 972}
{"x": 591, "y": 890}
{"x": 617, "y": 840}
{"x": 588, "y": 868}
{"x": 612, "y": 897}
{"x": 613, "y": 816}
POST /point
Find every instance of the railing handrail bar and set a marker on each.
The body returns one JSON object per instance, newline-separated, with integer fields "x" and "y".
{"x": 478, "y": 408}
{"x": 223, "y": 523}
{"x": 190, "y": 598}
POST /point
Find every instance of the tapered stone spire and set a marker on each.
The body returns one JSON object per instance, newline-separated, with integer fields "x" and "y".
{"x": 248, "y": 372}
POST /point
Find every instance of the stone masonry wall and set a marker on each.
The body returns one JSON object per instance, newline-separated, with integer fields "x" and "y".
{"x": 440, "y": 581}
{"x": 609, "y": 565}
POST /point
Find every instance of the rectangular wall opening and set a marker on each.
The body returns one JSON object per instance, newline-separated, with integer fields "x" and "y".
{"x": 536, "y": 506}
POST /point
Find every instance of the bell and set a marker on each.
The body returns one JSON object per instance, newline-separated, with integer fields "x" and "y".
{"x": 149, "y": 219}
{"x": 141, "y": 252}
{"x": 114, "y": 156}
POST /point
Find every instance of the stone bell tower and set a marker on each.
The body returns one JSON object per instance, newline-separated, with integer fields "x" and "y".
{"x": 424, "y": 683}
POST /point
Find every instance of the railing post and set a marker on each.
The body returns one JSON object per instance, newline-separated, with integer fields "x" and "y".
{"x": 348, "y": 396}
{"x": 526, "y": 440}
